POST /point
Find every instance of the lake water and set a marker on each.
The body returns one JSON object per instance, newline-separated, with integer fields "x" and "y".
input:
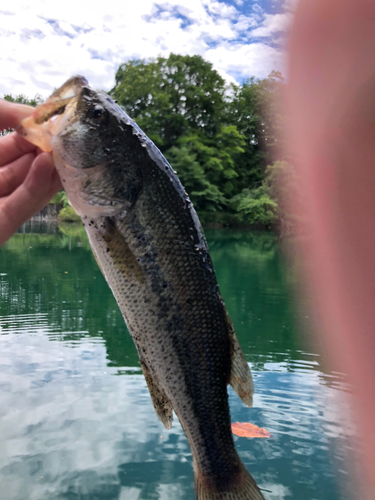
{"x": 76, "y": 420}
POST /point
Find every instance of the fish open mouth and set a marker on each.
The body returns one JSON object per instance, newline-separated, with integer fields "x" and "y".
{"x": 55, "y": 115}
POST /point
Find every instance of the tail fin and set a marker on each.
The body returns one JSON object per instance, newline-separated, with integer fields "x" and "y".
{"x": 239, "y": 487}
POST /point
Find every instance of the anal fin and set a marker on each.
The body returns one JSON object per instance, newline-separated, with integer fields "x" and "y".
{"x": 241, "y": 379}
{"x": 161, "y": 403}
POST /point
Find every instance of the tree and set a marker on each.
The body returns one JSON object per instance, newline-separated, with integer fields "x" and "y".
{"x": 282, "y": 183}
{"x": 255, "y": 206}
{"x": 204, "y": 194}
{"x": 169, "y": 98}
{"x": 216, "y": 159}
{"x": 223, "y": 140}
{"x": 180, "y": 103}
{"x": 254, "y": 108}
{"x": 22, "y": 99}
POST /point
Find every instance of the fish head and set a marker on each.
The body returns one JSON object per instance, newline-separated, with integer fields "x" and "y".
{"x": 85, "y": 131}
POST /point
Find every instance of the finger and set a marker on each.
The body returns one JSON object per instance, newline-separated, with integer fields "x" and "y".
{"x": 12, "y": 146}
{"x": 43, "y": 169}
{"x": 13, "y": 174}
{"x": 12, "y": 113}
{"x": 40, "y": 185}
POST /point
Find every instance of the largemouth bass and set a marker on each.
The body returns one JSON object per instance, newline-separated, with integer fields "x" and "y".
{"x": 149, "y": 245}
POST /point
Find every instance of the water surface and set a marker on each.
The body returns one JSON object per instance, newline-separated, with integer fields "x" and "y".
{"x": 76, "y": 420}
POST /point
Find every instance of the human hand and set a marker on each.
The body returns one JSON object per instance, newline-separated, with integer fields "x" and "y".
{"x": 28, "y": 178}
{"x": 331, "y": 110}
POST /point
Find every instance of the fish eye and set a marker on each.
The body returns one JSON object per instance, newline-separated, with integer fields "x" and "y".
{"x": 97, "y": 112}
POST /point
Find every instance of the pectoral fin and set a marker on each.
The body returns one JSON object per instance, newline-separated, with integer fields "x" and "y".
{"x": 241, "y": 379}
{"x": 162, "y": 405}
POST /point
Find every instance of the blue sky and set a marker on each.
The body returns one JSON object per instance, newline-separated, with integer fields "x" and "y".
{"x": 44, "y": 43}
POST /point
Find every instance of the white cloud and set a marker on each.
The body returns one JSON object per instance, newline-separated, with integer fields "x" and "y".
{"x": 244, "y": 61}
{"x": 290, "y": 5}
{"x": 63, "y": 413}
{"x": 44, "y": 44}
{"x": 221, "y": 9}
{"x": 257, "y": 8}
{"x": 273, "y": 24}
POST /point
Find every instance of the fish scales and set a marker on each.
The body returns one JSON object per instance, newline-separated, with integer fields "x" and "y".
{"x": 149, "y": 244}
{"x": 172, "y": 317}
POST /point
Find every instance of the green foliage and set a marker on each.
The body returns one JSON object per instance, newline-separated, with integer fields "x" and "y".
{"x": 255, "y": 206}
{"x": 203, "y": 194}
{"x": 67, "y": 214}
{"x": 74, "y": 230}
{"x": 60, "y": 198}
{"x": 22, "y": 99}
{"x": 218, "y": 138}
{"x": 206, "y": 167}
{"x": 276, "y": 201}
{"x": 217, "y": 156}
{"x": 223, "y": 140}
{"x": 282, "y": 183}
{"x": 170, "y": 97}
{"x": 254, "y": 108}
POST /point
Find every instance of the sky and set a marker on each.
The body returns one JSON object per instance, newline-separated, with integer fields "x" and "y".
{"x": 44, "y": 42}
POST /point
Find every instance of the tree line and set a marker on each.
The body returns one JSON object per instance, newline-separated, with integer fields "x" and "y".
{"x": 222, "y": 139}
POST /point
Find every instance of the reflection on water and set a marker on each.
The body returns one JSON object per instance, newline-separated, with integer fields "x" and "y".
{"x": 39, "y": 226}
{"x": 76, "y": 420}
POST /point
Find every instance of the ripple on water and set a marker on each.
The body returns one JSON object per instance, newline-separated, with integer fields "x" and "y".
{"x": 76, "y": 420}
{"x": 69, "y": 424}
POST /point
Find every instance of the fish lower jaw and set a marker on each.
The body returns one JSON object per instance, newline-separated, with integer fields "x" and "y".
{"x": 36, "y": 136}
